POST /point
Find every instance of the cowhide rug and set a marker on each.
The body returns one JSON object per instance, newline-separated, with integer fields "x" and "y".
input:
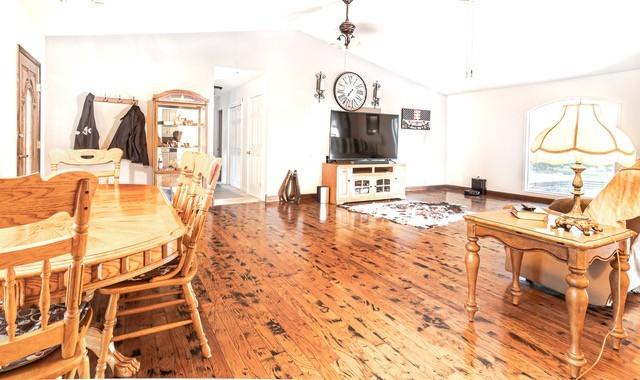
{"x": 412, "y": 213}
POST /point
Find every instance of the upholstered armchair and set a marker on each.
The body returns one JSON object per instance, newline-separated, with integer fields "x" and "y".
{"x": 617, "y": 204}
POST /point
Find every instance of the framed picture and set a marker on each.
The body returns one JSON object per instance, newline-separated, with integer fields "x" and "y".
{"x": 415, "y": 119}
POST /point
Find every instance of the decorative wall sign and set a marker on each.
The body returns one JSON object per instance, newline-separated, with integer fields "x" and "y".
{"x": 416, "y": 119}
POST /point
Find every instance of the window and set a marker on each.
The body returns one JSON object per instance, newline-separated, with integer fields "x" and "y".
{"x": 556, "y": 179}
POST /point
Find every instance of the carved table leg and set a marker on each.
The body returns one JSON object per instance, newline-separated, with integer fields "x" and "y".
{"x": 121, "y": 366}
{"x": 577, "y": 300}
{"x": 618, "y": 333}
{"x": 516, "y": 264}
{"x": 472, "y": 262}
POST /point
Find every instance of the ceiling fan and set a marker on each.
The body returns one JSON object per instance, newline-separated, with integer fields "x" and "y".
{"x": 346, "y": 28}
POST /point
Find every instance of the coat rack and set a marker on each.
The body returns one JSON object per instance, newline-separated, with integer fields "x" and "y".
{"x": 118, "y": 100}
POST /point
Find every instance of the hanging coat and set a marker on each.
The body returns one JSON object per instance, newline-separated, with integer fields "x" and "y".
{"x": 131, "y": 137}
{"x": 87, "y": 136}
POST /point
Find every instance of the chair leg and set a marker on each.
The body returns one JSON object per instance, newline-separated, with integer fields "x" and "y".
{"x": 195, "y": 317}
{"x": 107, "y": 335}
{"x": 71, "y": 374}
{"x": 84, "y": 372}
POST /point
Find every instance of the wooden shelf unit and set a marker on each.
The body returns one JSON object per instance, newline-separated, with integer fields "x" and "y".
{"x": 164, "y": 111}
{"x": 363, "y": 182}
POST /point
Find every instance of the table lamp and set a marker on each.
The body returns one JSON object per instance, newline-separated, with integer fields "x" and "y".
{"x": 581, "y": 137}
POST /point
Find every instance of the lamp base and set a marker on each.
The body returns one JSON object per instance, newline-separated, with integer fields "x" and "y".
{"x": 576, "y": 217}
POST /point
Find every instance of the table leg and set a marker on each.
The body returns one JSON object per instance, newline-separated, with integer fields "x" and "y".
{"x": 516, "y": 264}
{"x": 577, "y": 300}
{"x": 121, "y": 366}
{"x": 472, "y": 262}
{"x": 620, "y": 294}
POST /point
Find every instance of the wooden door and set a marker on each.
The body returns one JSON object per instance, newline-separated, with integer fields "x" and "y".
{"x": 235, "y": 146}
{"x": 218, "y": 145}
{"x": 28, "y": 145}
{"x": 255, "y": 148}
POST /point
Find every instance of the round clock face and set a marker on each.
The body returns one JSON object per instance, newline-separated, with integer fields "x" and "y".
{"x": 350, "y": 91}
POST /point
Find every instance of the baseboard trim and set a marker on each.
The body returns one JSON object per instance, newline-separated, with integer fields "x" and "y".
{"x": 524, "y": 197}
{"x": 275, "y": 198}
{"x": 499, "y": 194}
{"x": 417, "y": 189}
{"x": 456, "y": 188}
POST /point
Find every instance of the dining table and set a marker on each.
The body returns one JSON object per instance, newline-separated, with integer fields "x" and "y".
{"x": 131, "y": 231}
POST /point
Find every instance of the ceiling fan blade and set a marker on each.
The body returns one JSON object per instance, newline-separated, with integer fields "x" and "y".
{"x": 311, "y": 10}
{"x": 366, "y": 28}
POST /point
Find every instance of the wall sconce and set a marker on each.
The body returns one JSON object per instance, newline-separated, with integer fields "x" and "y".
{"x": 377, "y": 94}
{"x": 320, "y": 86}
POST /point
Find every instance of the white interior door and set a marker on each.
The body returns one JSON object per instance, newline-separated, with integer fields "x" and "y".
{"x": 235, "y": 146}
{"x": 255, "y": 148}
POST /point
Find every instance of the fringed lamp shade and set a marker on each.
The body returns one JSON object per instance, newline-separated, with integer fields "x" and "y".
{"x": 580, "y": 136}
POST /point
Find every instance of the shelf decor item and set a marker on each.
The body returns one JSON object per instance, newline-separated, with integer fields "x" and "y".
{"x": 581, "y": 137}
{"x": 177, "y": 124}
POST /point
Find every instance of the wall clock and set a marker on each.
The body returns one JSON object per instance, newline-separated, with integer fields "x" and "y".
{"x": 350, "y": 91}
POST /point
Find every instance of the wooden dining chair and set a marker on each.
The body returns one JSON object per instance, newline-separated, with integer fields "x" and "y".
{"x": 89, "y": 157}
{"x": 53, "y": 333}
{"x": 179, "y": 197}
{"x": 187, "y": 163}
{"x": 196, "y": 199}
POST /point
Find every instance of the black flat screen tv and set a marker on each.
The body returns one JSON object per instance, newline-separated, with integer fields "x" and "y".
{"x": 359, "y": 136}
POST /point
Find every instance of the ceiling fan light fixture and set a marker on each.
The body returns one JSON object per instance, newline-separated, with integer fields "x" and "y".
{"x": 347, "y": 27}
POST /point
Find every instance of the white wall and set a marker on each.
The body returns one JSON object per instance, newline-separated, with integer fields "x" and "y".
{"x": 301, "y": 137}
{"x": 486, "y": 129}
{"x": 115, "y": 66}
{"x": 18, "y": 28}
{"x": 297, "y": 126}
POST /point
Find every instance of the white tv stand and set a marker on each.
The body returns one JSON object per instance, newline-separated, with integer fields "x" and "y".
{"x": 363, "y": 182}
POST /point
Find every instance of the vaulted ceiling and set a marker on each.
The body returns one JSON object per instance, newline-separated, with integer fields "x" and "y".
{"x": 433, "y": 42}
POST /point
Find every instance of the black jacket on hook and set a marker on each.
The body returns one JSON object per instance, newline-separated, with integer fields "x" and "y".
{"x": 131, "y": 137}
{"x": 87, "y": 136}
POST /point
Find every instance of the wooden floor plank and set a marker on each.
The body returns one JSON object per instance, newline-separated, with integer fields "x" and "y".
{"x": 285, "y": 292}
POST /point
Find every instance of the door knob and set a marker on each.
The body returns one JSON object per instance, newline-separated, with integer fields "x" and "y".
{"x": 248, "y": 152}
{"x": 23, "y": 156}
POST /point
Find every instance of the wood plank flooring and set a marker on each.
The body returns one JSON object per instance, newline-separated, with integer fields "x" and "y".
{"x": 289, "y": 291}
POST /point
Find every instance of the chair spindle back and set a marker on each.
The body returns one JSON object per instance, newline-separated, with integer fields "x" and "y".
{"x": 187, "y": 162}
{"x": 27, "y": 200}
{"x": 201, "y": 190}
{"x": 87, "y": 157}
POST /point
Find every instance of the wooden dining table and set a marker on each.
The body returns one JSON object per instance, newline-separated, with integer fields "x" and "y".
{"x": 130, "y": 229}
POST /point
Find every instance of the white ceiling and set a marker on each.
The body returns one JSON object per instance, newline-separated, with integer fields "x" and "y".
{"x": 428, "y": 41}
{"x": 230, "y": 77}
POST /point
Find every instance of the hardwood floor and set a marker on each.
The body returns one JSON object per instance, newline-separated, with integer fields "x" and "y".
{"x": 287, "y": 292}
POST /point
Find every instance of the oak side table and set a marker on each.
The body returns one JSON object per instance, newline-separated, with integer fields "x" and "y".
{"x": 572, "y": 247}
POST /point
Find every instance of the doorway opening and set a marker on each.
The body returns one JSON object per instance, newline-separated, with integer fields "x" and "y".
{"x": 239, "y": 135}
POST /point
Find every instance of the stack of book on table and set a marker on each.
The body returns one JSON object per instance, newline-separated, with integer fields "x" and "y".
{"x": 527, "y": 212}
